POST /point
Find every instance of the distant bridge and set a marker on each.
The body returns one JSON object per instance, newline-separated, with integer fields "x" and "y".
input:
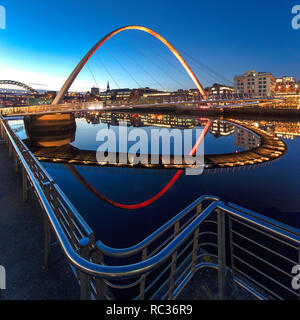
{"x": 18, "y": 84}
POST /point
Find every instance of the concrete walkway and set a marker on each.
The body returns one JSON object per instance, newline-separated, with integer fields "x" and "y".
{"x": 204, "y": 286}
{"x": 22, "y": 245}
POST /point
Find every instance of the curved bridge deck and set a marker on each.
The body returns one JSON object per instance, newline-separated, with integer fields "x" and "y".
{"x": 271, "y": 148}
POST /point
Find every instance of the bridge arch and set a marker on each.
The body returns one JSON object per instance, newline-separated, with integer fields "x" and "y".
{"x": 18, "y": 84}
{"x": 58, "y": 99}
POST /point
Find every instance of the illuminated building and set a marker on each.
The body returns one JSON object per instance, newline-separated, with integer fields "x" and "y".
{"x": 287, "y": 86}
{"x": 219, "y": 90}
{"x": 255, "y": 84}
{"x": 137, "y": 94}
{"x": 168, "y": 96}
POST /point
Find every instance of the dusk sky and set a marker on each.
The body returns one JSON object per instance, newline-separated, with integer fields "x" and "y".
{"x": 44, "y": 40}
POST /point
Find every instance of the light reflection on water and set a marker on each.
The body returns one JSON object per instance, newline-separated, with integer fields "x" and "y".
{"x": 271, "y": 189}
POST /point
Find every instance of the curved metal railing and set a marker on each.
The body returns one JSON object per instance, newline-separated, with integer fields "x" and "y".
{"x": 155, "y": 235}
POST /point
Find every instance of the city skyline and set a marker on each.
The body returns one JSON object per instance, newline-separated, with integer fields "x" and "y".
{"x": 211, "y": 33}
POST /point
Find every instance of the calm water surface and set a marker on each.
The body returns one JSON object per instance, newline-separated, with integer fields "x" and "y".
{"x": 271, "y": 189}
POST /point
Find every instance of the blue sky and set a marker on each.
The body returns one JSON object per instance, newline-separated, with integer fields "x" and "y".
{"x": 44, "y": 40}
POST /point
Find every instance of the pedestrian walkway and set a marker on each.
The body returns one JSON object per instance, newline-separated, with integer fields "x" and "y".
{"x": 204, "y": 286}
{"x": 22, "y": 245}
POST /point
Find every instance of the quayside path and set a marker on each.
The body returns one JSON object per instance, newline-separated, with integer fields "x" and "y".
{"x": 22, "y": 245}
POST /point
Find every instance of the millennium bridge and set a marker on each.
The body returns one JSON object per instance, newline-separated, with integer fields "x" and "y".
{"x": 207, "y": 234}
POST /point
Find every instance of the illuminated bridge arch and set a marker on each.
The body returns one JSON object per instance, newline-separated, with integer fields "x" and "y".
{"x": 18, "y": 84}
{"x": 85, "y": 59}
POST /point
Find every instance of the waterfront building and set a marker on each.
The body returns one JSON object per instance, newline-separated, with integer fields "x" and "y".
{"x": 137, "y": 94}
{"x": 255, "y": 84}
{"x": 219, "y": 90}
{"x": 95, "y": 91}
{"x": 286, "y": 86}
{"x": 169, "y": 96}
{"x": 15, "y": 97}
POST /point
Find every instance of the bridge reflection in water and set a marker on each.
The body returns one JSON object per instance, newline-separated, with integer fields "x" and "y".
{"x": 50, "y": 138}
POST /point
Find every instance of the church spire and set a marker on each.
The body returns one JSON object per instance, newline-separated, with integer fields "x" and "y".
{"x": 108, "y": 87}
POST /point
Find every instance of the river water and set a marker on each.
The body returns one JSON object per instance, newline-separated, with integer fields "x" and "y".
{"x": 271, "y": 188}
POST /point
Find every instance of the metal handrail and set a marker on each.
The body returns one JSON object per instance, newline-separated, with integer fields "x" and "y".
{"x": 264, "y": 222}
{"x": 268, "y": 220}
{"x": 125, "y": 252}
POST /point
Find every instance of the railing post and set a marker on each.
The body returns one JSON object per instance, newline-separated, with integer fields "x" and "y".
{"x": 47, "y": 229}
{"x": 85, "y": 293}
{"x": 15, "y": 161}
{"x": 195, "y": 250}
{"x": 196, "y": 240}
{"x": 101, "y": 286}
{"x": 143, "y": 277}
{"x": 231, "y": 247}
{"x": 221, "y": 255}
{"x": 199, "y": 209}
{"x": 173, "y": 264}
{"x": 72, "y": 229}
{"x": 47, "y": 241}
{"x": 25, "y": 186}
